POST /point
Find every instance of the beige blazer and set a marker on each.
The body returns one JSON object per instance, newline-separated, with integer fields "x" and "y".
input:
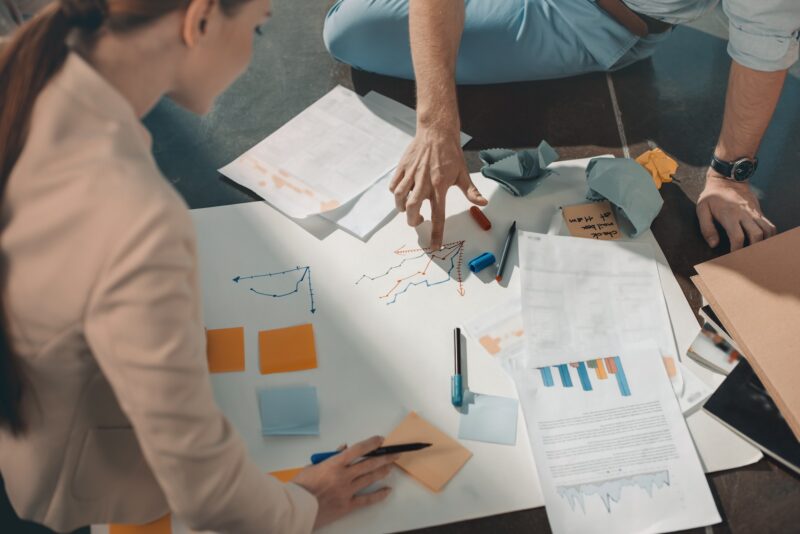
{"x": 104, "y": 309}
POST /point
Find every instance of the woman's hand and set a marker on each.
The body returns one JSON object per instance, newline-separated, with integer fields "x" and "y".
{"x": 337, "y": 481}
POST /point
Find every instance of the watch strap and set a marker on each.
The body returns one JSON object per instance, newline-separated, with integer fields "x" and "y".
{"x": 725, "y": 168}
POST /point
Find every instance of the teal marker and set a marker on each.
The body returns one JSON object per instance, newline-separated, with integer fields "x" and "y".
{"x": 456, "y": 383}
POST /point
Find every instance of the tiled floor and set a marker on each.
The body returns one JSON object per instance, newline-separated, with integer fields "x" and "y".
{"x": 673, "y": 101}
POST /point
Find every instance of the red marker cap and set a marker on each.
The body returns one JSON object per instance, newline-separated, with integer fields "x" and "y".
{"x": 480, "y": 218}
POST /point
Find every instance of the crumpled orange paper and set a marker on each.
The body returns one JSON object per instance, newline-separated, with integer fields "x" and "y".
{"x": 660, "y": 166}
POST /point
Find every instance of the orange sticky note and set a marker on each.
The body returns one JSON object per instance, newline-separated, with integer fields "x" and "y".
{"x": 159, "y": 526}
{"x": 434, "y": 466}
{"x": 284, "y": 350}
{"x": 225, "y": 349}
{"x": 286, "y": 475}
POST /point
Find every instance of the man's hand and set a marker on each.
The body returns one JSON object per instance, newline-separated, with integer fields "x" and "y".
{"x": 337, "y": 482}
{"x": 736, "y": 208}
{"x": 432, "y": 163}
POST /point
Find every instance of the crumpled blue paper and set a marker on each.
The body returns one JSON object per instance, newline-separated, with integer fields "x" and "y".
{"x": 518, "y": 172}
{"x": 628, "y": 186}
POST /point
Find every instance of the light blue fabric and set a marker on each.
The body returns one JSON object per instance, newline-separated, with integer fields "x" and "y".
{"x": 503, "y": 40}
{"x": 628, "y": 186}
{"x": 763, "y": 34}
{"x": 520, "y": 40}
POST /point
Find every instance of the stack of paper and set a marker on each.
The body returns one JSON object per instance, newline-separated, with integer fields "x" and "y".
{"x": 755, "y": 293}
{"x": 335, "y": 159}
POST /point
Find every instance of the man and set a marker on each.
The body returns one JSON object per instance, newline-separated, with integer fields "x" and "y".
{"x": 444, "y": 42}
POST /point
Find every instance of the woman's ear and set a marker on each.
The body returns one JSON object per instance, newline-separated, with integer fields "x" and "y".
{"x": 195, "y": 20}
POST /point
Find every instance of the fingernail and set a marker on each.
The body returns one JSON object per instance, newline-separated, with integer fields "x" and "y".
{"x": 713, "y": 242}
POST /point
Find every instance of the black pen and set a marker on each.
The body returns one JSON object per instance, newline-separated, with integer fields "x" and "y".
{"x": 504, "y": 255}
{"x": 380, "y": 451}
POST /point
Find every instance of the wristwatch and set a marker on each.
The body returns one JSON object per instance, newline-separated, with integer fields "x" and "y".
{"x": 739, "y": 170}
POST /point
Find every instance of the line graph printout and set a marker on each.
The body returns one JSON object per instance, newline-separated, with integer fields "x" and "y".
{"x": 417, "y": 269}
{"x": 280, "y": 284}
{"x": 613, "y": 455}
{"x": 610, "y": 491}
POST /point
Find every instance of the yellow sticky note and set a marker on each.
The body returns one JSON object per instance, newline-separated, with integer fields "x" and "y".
{"x": 435, "y": 465}
{"x": 159, "y": 526}
{"x": 594, "y": 220}
{"x": 284, "y": 350}
{"x": 225, "y": 349}
{"x": 286, "y": 475}
{"x": 660, "y": 166}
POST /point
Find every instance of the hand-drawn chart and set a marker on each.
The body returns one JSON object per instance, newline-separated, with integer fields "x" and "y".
{"x": 418, "y": 268}
{"x": 281, "y": 284}
{"x": 611, "y": 490}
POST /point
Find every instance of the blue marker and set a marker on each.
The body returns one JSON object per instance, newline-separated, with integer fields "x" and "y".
{"x": 456, "y": 384}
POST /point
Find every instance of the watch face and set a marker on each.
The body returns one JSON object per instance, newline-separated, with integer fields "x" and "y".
{"x": 743, "y": 170}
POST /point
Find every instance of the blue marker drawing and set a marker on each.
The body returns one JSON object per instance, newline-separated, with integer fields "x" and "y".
{"x": 304, "y": 273}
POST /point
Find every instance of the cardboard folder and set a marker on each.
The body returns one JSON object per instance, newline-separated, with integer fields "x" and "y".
{"x": 755, "y": 292}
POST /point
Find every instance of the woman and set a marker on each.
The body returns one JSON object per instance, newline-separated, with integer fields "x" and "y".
{"x": 106, "y": 407}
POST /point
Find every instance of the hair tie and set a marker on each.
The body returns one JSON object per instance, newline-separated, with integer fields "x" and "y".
{"x": 85, "y": 14}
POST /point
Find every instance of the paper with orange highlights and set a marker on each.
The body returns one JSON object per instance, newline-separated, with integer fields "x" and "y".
{"x": 325, "y": 156}
{"x": 499, "y": 330}
{"x": 434, "y": 466}
{"x": 285, "y": 350}
{"x": 225, "y": 350}
{"x": 159, "y": 526}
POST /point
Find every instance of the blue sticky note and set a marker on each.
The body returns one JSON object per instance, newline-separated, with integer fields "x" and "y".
{"x": 628, "y": 186}
{"x": 491, "y": 419}
{"x": 289, "y": 411}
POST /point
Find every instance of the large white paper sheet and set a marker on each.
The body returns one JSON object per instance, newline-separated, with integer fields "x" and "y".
{"x": 581, "y": 295}
{"x": 376, "y": 360}
{"x": 611, "y": 446}
{"x": 322, "y": 158}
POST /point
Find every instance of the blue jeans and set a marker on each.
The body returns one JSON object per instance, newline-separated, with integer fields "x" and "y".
{"x": 503, "y": 40}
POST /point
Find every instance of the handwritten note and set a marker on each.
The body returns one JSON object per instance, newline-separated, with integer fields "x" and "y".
{"x": 594, "y": 220}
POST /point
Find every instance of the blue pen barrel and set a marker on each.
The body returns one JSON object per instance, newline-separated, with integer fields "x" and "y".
{"x": 322, "y": 456}
{"x": 456, "y": 390}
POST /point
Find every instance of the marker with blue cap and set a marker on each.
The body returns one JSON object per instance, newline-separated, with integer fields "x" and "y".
{"x": 456, "y": 381}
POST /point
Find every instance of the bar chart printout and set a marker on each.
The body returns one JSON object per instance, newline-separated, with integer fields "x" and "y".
{"x": 611, "y": 446}
{"x": 582, "y": 374}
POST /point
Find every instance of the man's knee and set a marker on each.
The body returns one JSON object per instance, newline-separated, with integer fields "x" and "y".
{"x": 362, "y": 32}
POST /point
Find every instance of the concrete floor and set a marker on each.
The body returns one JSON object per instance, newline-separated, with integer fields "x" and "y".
{"x": 673, "y": 101}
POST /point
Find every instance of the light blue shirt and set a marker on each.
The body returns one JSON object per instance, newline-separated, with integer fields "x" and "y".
{"x": 763, "y": 34}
